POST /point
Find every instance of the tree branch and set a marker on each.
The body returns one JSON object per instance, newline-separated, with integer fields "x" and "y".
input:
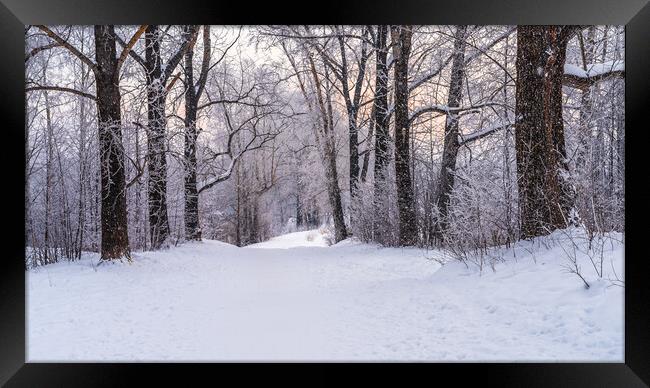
{"x": 70, "y": 47}
{"x": 129, "y": 46}
{"x": 578, "y": 78}
{"x": 205, "y": 65}
{"x": 470, "y": 58}
{"x": 61, "y": 89}
{"x": 171, "y": 84}
{"x": 176, "y": 58}
{"x": 132, "y": 53}
{"x": 481, "y": 133}
{"x": 37, "y": 50}
{"x": 443, "y": 109}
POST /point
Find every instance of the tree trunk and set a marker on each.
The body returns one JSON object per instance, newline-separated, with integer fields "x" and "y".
{"x": 334, "y": 193}
{"x": 352, "y": 108}
{"x": 192, "y": 227}
{"x": 81, "y": 221}
{"x": 156, "y": 95}
{"x": 333, "y": 189}
{"x": 48, "y": 179}
{"x": 238, "y": 210}
{"x": 401, "y": 36}
{"x": 299, "y": 205}
{"x": 451, "y": 144}
{"x": 326, "y": 141}
{"x": 587, "y": 48}
{"x": 115, "y": 240}
{"x": 28, "y": 216}
{"x": 539, "y": 132}
{"x": 382, "y": 135}
{"x": 354, "y": 151}
{"x": 363, "y": 175}
{"x": 563, "y": 191}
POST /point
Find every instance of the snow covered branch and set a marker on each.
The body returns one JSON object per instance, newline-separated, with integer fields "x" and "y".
{"x": 577, "y": 77}
{"x": 468, "y": 59}
{"x": 443, "y": 109}
{"x": 481, "y": 133}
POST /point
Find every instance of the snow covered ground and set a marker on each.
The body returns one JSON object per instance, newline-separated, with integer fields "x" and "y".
{"x": 309, "y": 238}
{"x": 294, "y": 298}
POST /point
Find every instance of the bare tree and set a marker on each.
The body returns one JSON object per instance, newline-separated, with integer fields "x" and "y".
{"x": 451, "y": 140}
{"x": 158, "y": 75}
{"x": 106, "y": 68}
{"x": 401, "y": 42}
{"x": 381, "y": 121}
{"x": 193, "y": 91}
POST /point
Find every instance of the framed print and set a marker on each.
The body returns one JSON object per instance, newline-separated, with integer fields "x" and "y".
{"x": 435, "y": 186}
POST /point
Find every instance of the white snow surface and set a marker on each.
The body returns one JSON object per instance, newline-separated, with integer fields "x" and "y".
{"x": 295, "y": 299}
{"x": 594, "y": 69}
{"x": 309, "y": 238}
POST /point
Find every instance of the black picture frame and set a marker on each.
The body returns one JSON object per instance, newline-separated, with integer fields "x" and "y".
{"x": 15, "y": 14}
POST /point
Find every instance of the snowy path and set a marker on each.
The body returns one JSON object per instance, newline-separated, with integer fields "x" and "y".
{"x": 293, "y": 298}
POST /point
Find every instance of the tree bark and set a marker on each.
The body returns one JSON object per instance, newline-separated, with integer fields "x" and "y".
{"x": 192, "y": 228}
{"x": 81, "y": 222}
{"x": 451, "y": 143}
{"x": 115, "y": 240}
{"x": 382, "y": 135}
{"x": 331, "y": 171}
{"x": 114, "y": 235}
{"x": 48, "y": 180}
{"x": 544, "y": 195}
{"x": 401, "y": 37}
{"x": 28, "y": 217}
{"x": 352, "y": 108}
{"x": 557, "y": 38}
{"x": 329, "y": 155}
{"x": 334, "y": 192}
{"x": 156, "y": 96}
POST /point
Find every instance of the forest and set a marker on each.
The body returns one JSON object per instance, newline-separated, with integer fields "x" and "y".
{"x": 140, "y": 138}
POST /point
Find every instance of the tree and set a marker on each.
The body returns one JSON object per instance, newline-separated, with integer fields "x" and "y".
{"x": 401, "y": 42}
{"x": 329, "y": 152}
{"x": 352, "y": 103}
{"x": 158, "y": 76}
{"x": 106, "y": 68}
{"x": 193, "y": 93}
{"x": 451, "y": 142}
{"x": 287, "y": 126}
{"x": 380, "y": 120}
{"x": 344, "y": 71}
{"x": 251, "y": 116}
{"x": 545, "y": 199}
{"x": 323, "y": 125}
